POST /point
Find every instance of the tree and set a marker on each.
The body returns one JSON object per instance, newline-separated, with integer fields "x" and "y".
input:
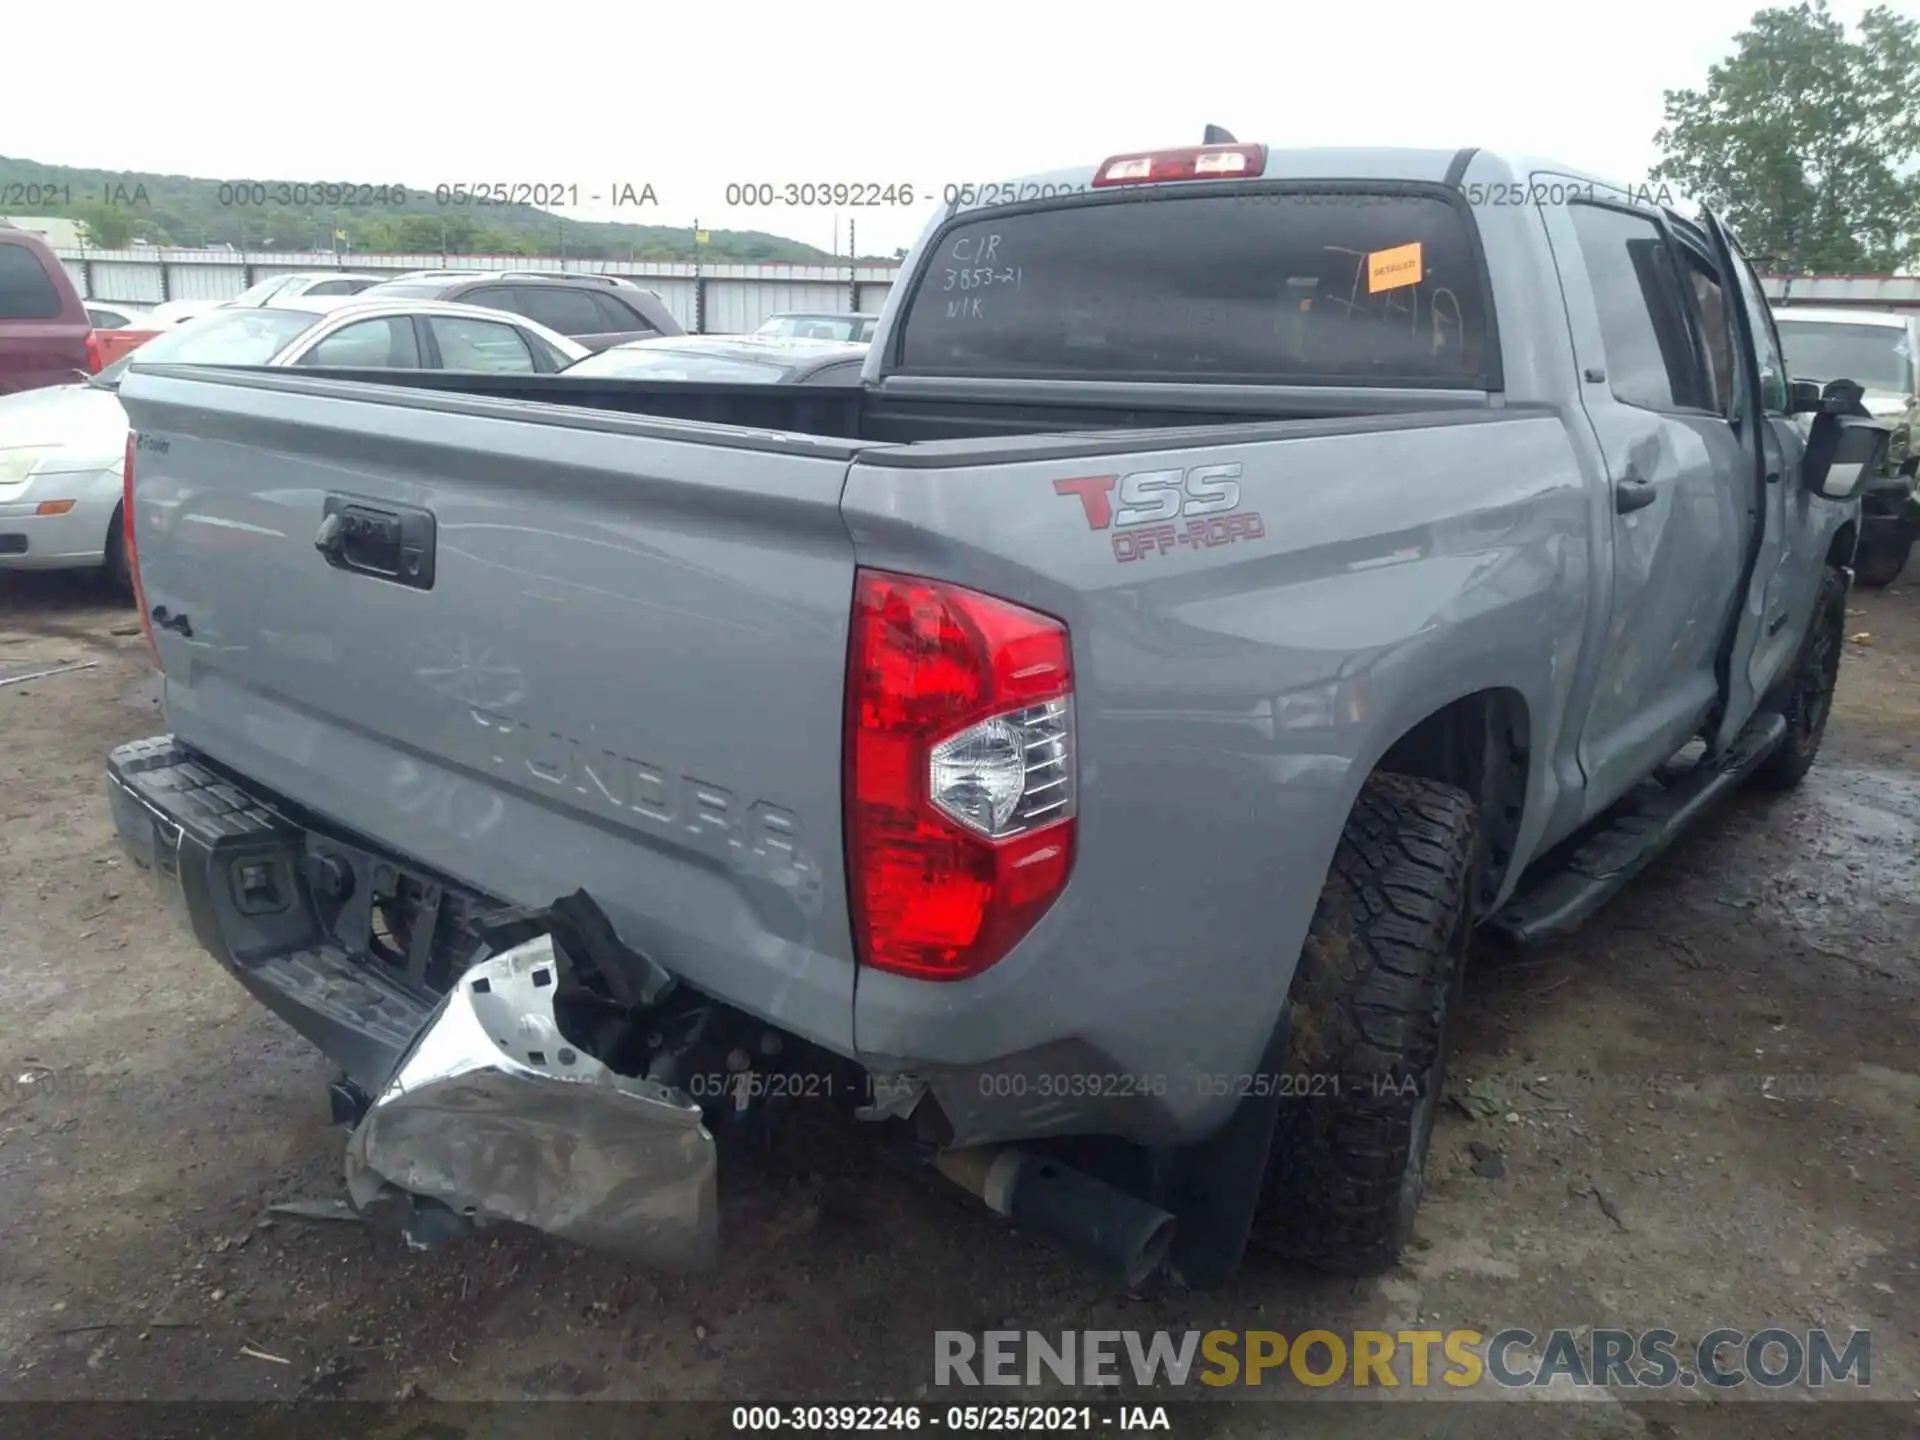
{"x": 107, "y": 227}
{"x": 1807, "y": 141}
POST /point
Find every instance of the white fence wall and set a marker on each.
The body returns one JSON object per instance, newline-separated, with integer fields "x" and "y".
{"x": 711, "y": 299}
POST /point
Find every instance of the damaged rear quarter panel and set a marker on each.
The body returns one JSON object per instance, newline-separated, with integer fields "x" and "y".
{"x": 1232, "y": 693}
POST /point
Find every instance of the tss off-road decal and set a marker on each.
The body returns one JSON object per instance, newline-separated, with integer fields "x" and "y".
{"x": 1152, "y": 511}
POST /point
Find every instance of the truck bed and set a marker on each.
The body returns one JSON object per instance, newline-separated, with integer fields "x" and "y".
{"x": 893, "y": 414}
{"x": 626, "y": 669}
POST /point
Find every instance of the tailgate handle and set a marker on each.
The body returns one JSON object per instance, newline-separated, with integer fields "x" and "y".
{"x": 388, "y": 542}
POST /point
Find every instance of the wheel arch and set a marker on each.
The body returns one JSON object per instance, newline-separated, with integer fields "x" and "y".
{"x": 1481, "y": 742}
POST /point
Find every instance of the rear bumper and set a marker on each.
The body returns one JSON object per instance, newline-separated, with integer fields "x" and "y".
{"x": 478, "y": 1101}
{"x": 232, "y": 862}
{"x": 231, "y": 866}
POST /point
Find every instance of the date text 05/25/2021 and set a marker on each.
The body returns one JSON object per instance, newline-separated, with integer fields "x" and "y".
{"x": 539, "y": 194}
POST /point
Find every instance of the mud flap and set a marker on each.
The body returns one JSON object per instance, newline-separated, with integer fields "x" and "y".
{"x": 495, "y": 1114}
{"x": 1219, "y": 1182}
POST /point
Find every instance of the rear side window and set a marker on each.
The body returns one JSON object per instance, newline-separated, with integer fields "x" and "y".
{"x": 1351, "y": 288}
{"x": 571, "y": 312}
{"x": 336, "y": 287}
{"x": 617, "y": 318}
{"x": 482, "y": 345}
{"x": 496, "y": 297}
{"x": 25, "y": 291}
{"x": 385, "y": 344}
{"x": 1643, "y": 320}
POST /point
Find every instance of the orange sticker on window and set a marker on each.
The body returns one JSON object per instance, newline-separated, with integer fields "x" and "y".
{"x": 1390, "y": 269}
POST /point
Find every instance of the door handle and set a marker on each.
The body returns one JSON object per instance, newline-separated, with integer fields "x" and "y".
{"x": 1633, "y": 494}
{"x": 388, "y": 542}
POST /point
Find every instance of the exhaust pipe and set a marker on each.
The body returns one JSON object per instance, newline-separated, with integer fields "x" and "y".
{"x": 1117, "y": 1231}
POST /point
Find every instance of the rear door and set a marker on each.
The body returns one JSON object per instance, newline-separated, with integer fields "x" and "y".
{"x": 43, "y": 325}
{"x": 617, "y": 660}
{"x": 1789, "y": 553}
{"x": 1682, "y": 506}
{"x": 468, "y": 342}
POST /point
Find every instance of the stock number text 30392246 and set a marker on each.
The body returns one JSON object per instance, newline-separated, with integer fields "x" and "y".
{"x": 295, "y": 194}
{"x": 809, "y": 194}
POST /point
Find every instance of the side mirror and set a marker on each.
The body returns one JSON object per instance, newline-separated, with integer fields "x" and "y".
{"x": 1803, "y": 397}
{"x": 1843, "y": 451}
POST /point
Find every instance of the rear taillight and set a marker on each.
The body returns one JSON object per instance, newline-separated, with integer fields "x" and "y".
{"x": 96, "y": 362}
{"x": 960, "y": 774}
{"x": 126, "y": 540}
{"x": 1197, "y": 162}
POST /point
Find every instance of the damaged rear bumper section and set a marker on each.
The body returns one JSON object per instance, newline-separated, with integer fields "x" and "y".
{"x": 496, "y": 1116}
{"x": 478, "y": 1102}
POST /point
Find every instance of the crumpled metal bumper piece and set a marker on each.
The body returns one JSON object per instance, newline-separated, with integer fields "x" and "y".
{"x": 492, "y": 1112}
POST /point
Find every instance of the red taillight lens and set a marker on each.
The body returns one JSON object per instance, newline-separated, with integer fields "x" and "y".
{"x": 95, "y": 361}
{"x": 1198, "y": 162}
{"x": 126, "y": 539}
{"x": 960, "y": 774}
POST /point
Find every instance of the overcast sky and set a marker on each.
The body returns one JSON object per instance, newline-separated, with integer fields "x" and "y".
{"x": 691, "y": 98}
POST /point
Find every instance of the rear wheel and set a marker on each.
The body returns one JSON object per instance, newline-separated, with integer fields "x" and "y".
{"x": 1809, "y": 695}
{"x": 1374, "y": 998}
{"x": 1880, "y": 559}
{"x": 115, "y": 569}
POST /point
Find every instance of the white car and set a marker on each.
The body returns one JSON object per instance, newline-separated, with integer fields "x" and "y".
{"x": 340, "y": 284}
{"x": 63, "y": 447}
{"x": 112, "y": 315}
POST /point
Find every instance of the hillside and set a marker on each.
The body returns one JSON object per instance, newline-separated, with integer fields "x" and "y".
{"x": 120, "y": 207}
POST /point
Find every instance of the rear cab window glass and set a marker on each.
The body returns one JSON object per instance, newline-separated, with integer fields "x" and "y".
{"x": 1359, "y": 286}
{"x": 26, "y": 291}
{"x": 1643, "y": 317}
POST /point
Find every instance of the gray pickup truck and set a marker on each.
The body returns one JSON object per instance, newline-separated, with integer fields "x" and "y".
{"x": 1081, "y": 751}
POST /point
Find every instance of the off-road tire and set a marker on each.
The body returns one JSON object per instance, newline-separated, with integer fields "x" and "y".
{"x": 114, "y": 569}
{"x": 1878, "y": 564}
{"x": 1374, "y": 998}
{"x": 1808, "y": 699}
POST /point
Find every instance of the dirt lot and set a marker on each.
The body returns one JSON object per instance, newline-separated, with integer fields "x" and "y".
{"x": 1759, "y": 987}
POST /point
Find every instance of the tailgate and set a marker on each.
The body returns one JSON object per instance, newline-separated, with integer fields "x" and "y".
{"x": 609, "y": 652}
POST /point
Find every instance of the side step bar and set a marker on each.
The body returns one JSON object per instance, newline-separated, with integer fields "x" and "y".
{"x": 1638, "y": 829}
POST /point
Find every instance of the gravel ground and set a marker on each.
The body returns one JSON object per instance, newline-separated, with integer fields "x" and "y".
{"x": 1758, "y": 986}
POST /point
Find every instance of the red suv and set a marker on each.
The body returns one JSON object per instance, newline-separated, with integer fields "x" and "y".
{"x": 43, "y": 325}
